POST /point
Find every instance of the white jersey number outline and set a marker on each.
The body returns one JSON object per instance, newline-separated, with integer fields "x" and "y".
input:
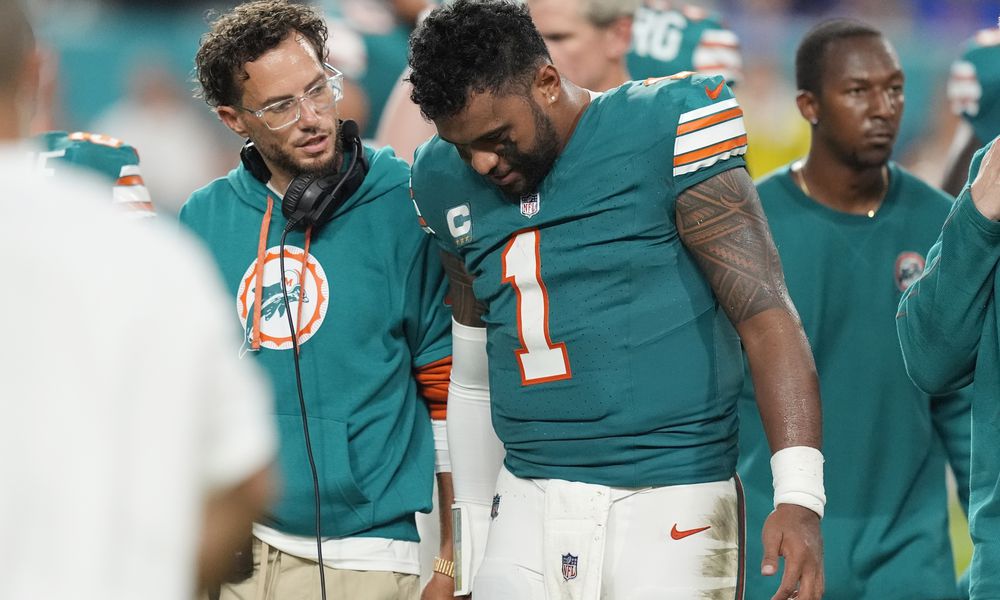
{"x": 539, "y": 358}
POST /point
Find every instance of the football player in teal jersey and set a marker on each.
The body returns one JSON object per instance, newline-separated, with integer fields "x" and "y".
{"x": 949, "y": 328}
{"x": 974, "y": 92}
{"x": 601, "y": 44}
{"x": 608, "y": 255}
{"x": 852, "y": 229}
{"x": 107, "y": 157}
{"x": 369, "y": 349}
{"x": 598, "y": 45}
{"x": 670, "y": 38}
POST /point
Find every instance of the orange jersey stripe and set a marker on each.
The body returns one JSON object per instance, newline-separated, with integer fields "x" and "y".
{"x": 432, "y": 384}
{"x": 708, "y": 121}
{"x": 717, "y": 67}
{"x": 697, "y": 155}
{"x": 719, "y": 45}
{"x": 130, "y": 180}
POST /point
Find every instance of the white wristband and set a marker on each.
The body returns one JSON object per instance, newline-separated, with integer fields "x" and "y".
{"x": 798, "y": 478}
{"x": 442, "y": 458}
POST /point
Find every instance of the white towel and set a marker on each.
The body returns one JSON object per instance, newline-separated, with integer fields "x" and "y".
{"x": 575, "y": 530}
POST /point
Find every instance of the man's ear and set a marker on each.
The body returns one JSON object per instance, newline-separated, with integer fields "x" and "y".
{"x": 808, "y": 106}
{"x": 233, "y": 118}
{"x": 618, "y": 38}
{"x": 548, "y": 85}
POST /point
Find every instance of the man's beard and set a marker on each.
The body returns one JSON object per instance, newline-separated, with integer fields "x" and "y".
{"x": 287, "y": 163}
{"x": 535, "y": 164}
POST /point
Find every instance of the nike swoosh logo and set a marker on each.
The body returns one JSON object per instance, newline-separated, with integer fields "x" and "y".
{"x": 679, "y": 534}
{"x": 713, "y": 94}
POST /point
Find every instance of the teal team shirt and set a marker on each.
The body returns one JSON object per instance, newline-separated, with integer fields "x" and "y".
{"x": 372, "y": 310}
{"x": 974, "y": 85}
{"x": 886, "y": 443}
{"x": 949, "y": 328}
{"x": 610, "y": 360}
{"x": 667, "y": 40}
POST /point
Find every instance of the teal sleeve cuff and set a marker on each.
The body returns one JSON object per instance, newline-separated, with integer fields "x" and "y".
{"x": 967, "y": 209}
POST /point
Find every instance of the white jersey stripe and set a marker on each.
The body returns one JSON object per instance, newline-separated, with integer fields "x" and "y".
{"x": 711, "y": 109}
{"x": 127, "y": 194}
{"x": 704, "y": 138}
{"x": 709, "y": 161}
{"x": 720, "y": 36}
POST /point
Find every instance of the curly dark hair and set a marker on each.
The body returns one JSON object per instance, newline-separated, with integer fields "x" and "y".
{"x": 811, "y": 54}
{"x": 473, "y": 46}
{"x": 243, "y": 35}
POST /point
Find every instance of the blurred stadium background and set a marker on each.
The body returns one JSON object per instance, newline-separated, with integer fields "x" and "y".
{"x": 124, "y": 68}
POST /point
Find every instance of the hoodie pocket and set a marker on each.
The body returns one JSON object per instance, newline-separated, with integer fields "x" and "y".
{"x": 346, "y": 509}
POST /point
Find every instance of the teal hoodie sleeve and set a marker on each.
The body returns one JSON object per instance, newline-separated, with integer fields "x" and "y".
{"x": 952, "y": 418}
{"x": 941, "y": 316}
{"x": 428, "y": 318}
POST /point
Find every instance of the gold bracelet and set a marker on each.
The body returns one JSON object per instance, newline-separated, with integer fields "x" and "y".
{"x": 444, "y": 567}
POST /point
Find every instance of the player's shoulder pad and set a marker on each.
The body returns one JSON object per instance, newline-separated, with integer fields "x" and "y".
{"x": 101, "y": 153}
{"x": 697, "y": 114}
{"x": 687, "y": 91}
{"x": 434, "y": 162}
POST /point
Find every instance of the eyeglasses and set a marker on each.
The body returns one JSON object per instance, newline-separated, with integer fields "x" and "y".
{"x": 321, "y": 97}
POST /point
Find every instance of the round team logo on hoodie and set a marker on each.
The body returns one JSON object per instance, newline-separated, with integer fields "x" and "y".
{"x": 308, "y": 297}
{"x": 909, "y": 268}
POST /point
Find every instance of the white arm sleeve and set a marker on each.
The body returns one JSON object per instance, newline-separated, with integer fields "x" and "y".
{"x": 476, "y": 452}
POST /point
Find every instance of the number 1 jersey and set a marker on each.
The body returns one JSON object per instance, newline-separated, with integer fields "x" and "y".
{"x": 610, "y": 360}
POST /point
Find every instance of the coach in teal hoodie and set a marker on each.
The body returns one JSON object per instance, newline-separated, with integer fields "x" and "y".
{"x": 370, "y": 285}
{"x": 949, "y": 328}
{"x": 365, "y": 290}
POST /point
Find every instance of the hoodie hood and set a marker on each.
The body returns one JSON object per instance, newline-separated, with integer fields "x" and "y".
{"x": 385, "y": 172}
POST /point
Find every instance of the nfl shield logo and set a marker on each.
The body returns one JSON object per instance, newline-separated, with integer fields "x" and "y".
{"x": 569, "y": 566}
{"x": 495, "y": 509}
{"x": 530, "y": 203}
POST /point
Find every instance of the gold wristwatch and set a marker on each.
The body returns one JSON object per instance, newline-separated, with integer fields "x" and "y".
{"x": 444, "y": 567}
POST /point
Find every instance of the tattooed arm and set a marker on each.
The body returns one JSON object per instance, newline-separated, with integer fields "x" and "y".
{"x": 465, "y": 308}
{"x": 722, "y": 224}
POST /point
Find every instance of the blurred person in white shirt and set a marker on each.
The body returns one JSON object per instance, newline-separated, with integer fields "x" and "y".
{"x": 134, "y": 445}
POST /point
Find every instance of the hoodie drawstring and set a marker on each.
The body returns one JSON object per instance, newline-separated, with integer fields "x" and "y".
{"x": 259, "y": 275}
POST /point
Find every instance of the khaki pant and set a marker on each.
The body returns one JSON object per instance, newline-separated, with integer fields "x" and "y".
{"x": 285, "y": 577}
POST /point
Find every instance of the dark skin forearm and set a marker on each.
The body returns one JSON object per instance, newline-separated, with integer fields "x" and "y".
{"x": 446, "y": 497}
{"x": 723, "y": 226}
{"x": 440, "y": 586}
{"x": 464, "y": 306}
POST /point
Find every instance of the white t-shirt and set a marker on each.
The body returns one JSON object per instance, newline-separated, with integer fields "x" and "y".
{"x": 122, "y": 401}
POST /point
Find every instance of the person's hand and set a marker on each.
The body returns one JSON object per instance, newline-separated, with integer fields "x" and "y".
{"x": 440, "y": 587}
{"x": 792, "y": 531}
{"x": 986, "y": 186}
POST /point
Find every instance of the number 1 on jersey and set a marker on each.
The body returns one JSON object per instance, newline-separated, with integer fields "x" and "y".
{"x": 540, "y": 360}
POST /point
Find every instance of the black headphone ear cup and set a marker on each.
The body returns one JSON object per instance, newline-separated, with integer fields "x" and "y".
{"x": 254, "y": 162}
{"x": 294, "y": 194}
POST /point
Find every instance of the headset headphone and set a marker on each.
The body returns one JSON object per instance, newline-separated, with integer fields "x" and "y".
{"x": 312, "y": 199}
